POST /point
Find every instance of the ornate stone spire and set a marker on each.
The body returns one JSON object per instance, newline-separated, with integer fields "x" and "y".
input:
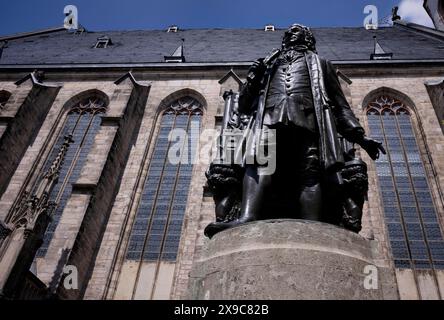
{"x": 31, "y": 207}
{"x": 23, "y": 234}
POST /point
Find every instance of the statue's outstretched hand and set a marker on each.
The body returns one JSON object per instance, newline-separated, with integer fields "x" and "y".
{"x": 372, "y": 147}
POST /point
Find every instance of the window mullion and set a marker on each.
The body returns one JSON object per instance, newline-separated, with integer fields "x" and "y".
{"x": 395, "y": 186}
{"x": 63, "y": 188}
{"x": 159, "y": 258}
{"x": 74, "y": 160}
{"x": 419, "y": 212}
{"x": 173, "y": 194}
{"x": 159, "y": 185}
{"x": 154, "y": 203}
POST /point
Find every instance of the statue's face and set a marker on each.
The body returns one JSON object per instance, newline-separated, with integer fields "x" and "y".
{"x": 294, "y": 35}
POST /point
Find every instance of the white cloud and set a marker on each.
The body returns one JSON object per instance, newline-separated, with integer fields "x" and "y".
{"x": 413, "y": 11}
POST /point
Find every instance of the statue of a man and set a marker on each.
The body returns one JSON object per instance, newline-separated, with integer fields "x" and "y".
{"x": 296, "y": 94}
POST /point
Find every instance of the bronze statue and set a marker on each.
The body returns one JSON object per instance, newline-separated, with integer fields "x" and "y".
{"x": 295, "y": 97}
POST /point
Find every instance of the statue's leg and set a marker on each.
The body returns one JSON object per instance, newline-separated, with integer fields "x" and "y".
{"x": 253, "y": 194}
{"x": 254, "y": 186}
{"x": 310, "y": 203}
{"x": 257, "y": 178}
{"x": 255, "y": 182}
{"x": 310, "y": 197}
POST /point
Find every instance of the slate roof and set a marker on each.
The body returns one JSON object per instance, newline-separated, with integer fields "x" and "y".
{"x": 214, "y": 45}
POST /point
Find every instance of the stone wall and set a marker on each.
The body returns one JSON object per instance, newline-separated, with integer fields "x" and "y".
{"x": 430, "y": 139}
{"x": 112, "y": 254}
{"x": 23, "y": 114}
{"x": 125, "y": 127}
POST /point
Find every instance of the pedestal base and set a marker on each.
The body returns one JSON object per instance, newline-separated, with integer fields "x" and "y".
{"x": 290, "y": 259}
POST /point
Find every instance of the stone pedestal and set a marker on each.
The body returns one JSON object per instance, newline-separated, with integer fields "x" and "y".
{"x": 290, "y": 259}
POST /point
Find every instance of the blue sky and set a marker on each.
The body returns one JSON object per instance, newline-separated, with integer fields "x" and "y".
{"x": 21, "y": 16}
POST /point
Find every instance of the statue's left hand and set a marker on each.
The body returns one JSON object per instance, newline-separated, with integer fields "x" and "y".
{"x": 372, "y": 147}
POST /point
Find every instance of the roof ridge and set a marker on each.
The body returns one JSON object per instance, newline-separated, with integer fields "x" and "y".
{"x": 417, "y": 28}
{"x": 223, "y": 29}
{"x": 31, "y": 33}
{"x": 57, "y": 29}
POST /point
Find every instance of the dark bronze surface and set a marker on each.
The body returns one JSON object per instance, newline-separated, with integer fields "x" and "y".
{"x": 318, "y": 177}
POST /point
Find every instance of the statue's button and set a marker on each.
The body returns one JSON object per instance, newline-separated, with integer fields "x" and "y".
{"x": 288, "y": 74}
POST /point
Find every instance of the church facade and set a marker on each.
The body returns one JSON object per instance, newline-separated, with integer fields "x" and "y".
{"x": 85, "y": 123}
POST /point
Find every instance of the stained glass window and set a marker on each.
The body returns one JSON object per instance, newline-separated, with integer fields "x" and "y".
{"x": 82, "y": 122}
{"x": 415, "y": 236}
{"x": 157, "y": 227}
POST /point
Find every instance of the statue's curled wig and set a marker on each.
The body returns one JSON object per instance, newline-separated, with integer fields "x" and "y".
{"x": 309, "y": 39}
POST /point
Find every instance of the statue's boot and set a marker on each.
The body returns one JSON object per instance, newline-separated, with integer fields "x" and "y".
{"x": 310, "y": 203}
{"x": 216, "y": 227}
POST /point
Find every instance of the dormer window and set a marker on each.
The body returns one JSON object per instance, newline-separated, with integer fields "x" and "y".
{"x": 379, "y": 53}
{"x": 172, "y": 29}
{"x": 103, "y": 42}
{"x": 269, "y": 27}
{"x": 177, "y": 56}
{"x": 80, "y": 30}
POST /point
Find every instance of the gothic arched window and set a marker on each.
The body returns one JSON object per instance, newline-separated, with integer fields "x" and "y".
{"x": 414, "y": 232}
{"x": 157, "y": 227}
{"x": 81, "y": 123}
{"x": 4, "y": 97}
